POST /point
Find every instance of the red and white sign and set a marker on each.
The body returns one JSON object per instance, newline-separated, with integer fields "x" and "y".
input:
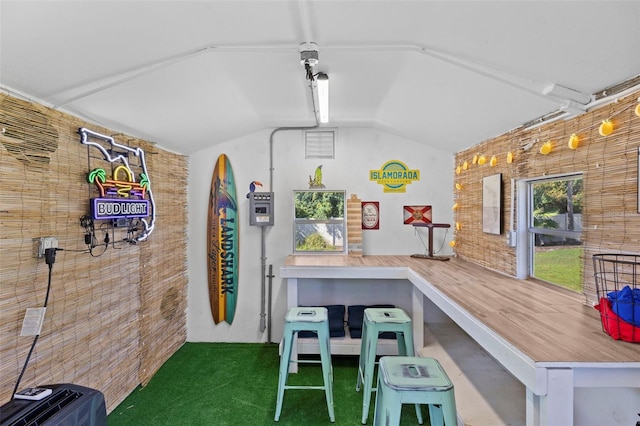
{"x": 370, "y": 215}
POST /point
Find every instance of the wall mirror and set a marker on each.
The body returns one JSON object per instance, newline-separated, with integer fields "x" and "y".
{"x": 492, "y": 204}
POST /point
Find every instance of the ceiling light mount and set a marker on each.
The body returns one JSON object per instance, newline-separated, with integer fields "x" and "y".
{"x": 318, "y": 82}
{"x": 309, "y": 54}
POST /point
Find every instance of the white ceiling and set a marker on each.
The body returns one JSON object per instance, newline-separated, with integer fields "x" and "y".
{"x": 191, "y": 74}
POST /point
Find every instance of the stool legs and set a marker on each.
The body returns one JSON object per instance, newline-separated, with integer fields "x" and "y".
{"x": 397, "y": 385}
{"x": 391, "y": 408}
{"x": 366, "y": 363}
{"x": 290, "y": 330}
{"x": 284, "y": 369}
{"x": 436, "y": 418}
{"x": 447, "y": 412}
{"x": 327, "y": 371}
{"x": 362, "y": 360}
{"x": 385, "y": 414}
{"x": 366, "y": 369}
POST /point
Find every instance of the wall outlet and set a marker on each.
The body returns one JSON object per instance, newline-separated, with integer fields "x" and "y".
{"x": 511, "y": 238}
{"x": 46, "y": 243}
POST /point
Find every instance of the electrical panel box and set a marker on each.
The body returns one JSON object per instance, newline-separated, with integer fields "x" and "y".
{"x": 261, "y": 208}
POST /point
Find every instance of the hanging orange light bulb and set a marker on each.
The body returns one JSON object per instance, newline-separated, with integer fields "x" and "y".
{"x": 574, "y": 141}
{"x": 637, "y": 110}
{"x": 509, "y": 157}
{"x": 455, "y": 206}
{"x": 452, "y": 243}
{"x": 458, "y": 186}
{"x": 465, "y": 165}
{"x": 546, "y": 148}
{"x": 458, "y": 226}
{"x": 475, "y": 159}
{"x": 482, "y": 159}
{"x": 606, "y": 128}
{"x": 458, "y": 169}
{"x": 493, "y": 161}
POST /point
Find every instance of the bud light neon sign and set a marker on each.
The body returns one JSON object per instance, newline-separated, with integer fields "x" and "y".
{"x": 121, "y": 195}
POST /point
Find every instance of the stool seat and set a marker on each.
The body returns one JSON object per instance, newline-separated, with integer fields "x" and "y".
{"x": 414, "y": 380}
{"x": 375, "y": 322}
{"x": 302, "y": 315}
{"x": 387, "y": 315}
{"x": 313, "y": 319}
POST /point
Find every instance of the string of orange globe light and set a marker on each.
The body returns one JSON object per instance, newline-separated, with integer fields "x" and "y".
{"x": 606, "y": 128}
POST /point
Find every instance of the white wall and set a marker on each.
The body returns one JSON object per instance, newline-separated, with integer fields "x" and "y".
{"x": 357, "y": 151}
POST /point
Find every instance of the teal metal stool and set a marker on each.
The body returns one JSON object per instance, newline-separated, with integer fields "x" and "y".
{"x": 376, "y": 321}
{"x": 413, "y": 380}
{"x": 306, "y": 319}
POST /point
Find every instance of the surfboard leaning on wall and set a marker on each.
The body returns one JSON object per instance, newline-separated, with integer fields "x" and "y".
{"x": 223, "y": 242}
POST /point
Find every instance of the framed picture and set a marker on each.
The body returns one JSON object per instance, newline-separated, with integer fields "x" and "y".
{"x": 492, "y": 204}
{"x": 417, "y": 214}
{"x": 370, "y": 215}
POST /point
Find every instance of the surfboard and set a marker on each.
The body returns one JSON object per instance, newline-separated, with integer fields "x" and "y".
{"x": 223, "y": 242}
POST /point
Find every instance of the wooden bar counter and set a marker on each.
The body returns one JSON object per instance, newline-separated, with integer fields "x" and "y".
{"x": 544, "y": 336}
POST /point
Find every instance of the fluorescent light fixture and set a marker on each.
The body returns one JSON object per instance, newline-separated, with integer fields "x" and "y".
{"x": 323, "y": 96}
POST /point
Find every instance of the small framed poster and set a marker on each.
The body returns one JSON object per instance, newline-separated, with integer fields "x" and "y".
{"x": 492, "y": 204}
{"x": 417, "y": 214}
{"x": 370, "y": 215}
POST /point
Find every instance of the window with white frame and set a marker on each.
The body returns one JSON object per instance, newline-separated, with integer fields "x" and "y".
{"x": 319, "y": 221}
{"x": 555, "y": 217}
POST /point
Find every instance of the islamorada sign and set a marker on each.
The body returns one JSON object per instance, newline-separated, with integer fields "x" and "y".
{"x": 394, "y": 176}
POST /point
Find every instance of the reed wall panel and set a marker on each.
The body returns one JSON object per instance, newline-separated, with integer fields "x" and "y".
{"x": 609, "y": 164}
{"x": 114, "y": 316}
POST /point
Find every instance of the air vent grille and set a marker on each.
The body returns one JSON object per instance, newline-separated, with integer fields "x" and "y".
{"x": 319, "y": 143}
{"x": 44, "y": 411}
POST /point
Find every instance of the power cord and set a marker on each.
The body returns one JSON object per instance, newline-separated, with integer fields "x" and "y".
{"x": 90, "y": 232}
{"x": 50, "y": 259}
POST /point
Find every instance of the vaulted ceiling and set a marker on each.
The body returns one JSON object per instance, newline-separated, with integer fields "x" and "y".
{"x": 191, "y": 74}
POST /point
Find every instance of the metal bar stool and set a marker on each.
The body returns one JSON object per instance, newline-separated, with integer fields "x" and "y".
{"x": 376, "y": 321}
{"x": 413, "y": 380}
{"x": 306, "y": 319}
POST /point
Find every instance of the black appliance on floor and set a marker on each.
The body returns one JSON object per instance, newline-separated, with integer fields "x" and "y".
{"x": 68, "y": 405}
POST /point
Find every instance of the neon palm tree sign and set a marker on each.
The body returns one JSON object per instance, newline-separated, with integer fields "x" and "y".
{"x": 121, "y": 196}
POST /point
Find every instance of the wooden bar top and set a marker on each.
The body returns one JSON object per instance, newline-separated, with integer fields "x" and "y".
{"x": 547, "y": 324}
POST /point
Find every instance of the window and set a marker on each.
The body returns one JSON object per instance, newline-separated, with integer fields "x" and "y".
{"x": 554, "y": 230}
{"x": 319, "y": 221}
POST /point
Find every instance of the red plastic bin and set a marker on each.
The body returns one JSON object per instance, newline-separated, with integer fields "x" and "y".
{"x": 614, "y": 272}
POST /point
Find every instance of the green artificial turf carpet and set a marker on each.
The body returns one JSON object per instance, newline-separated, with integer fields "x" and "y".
{"x": 222, "y": 384}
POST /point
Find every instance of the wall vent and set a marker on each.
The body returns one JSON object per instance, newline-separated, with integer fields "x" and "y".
{"x": 319, "y": 143}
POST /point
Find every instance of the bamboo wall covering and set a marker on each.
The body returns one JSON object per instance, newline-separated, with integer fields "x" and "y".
{"x": 113, "y": 316}
{"x": 609, "y": 164}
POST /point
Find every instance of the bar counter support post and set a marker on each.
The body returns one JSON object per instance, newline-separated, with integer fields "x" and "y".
{"x": 292, "y": 301}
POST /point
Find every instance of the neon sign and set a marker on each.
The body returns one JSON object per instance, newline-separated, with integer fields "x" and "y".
{"x": 107, "y": 208}
{"x": 121, "y": 196}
